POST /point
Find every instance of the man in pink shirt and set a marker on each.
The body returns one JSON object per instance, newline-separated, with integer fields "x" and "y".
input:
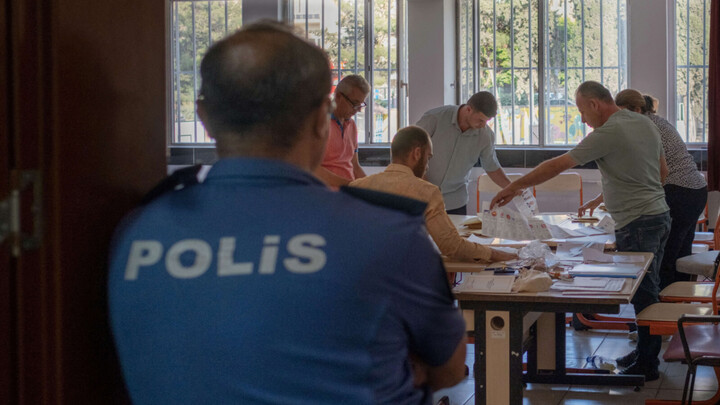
{"x": 340, "y": 164}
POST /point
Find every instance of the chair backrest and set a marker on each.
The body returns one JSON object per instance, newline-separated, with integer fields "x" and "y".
{"x": 486, "y": 185}
{"x": 564, "y": 182}
{"x": 717, "y": 284}
{"x": 716, "y": 233}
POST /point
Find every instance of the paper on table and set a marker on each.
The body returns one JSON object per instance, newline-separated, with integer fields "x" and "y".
{"x": 483, "y": 283}
{"x": 614, "y": 285}
{"x": 495, "y": 242}
{"x": 579, "y": 282}
{"x": 593, "y": 255}
{"x": 606, "y": 270}
{"x": 606, "y": 224}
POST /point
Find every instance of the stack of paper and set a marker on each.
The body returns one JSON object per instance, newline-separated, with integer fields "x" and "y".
{"x": 590, "y": 285}
{"x": 606, "y": 270}
{"x": 486, "y": 284}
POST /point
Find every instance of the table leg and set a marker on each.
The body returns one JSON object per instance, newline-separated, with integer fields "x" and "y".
{"x": 498, "y": 357}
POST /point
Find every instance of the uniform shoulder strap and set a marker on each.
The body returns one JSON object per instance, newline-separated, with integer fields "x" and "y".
{"x": 180, "y": 178}
{"x": 396, "y": 202}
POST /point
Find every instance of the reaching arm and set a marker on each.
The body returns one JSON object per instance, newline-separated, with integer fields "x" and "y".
{"x": 545, "y": 171}
{"x": 357, "y": 169}
{"x": 330, "y": 178}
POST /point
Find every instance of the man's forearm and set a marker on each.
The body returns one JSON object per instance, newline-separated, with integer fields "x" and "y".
{"x": 330, "y": 178}
{"x": 545, "y": 171}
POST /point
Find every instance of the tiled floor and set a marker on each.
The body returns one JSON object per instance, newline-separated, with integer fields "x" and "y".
{"x": 609, "y": 345}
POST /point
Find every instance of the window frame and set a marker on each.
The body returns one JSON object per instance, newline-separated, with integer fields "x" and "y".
{"x": 538, "y": 25}
{"x": 368, "y": 69}
{"x": 173, "y": 86}
{"x": 682, "y": 108}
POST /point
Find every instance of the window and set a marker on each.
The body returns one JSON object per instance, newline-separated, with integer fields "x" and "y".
{"x": 692, "y": 33}
{"x": 532, "y": 54}
{"x": 342, "y": 28}
{"x": 195, "y": 26}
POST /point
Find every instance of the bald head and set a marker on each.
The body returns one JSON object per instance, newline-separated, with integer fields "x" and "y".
{"x": 406, "y": 140}
{"x": 260, "y": 85}
{"x": 594, "y": 90}
{"x": 412, "y": 147}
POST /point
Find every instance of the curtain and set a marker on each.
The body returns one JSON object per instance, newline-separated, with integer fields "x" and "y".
{"x": 714, "y": 99}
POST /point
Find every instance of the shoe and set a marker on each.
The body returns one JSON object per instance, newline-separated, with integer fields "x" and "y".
{"x": 650, "y": 373}
{"x": 627, "y": 360}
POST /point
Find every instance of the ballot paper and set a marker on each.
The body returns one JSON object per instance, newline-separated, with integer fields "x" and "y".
{"x": 606, "y": 224}
{"x": 514, "y": 221}
{"x": 486, "y": 284}
{"x": 597, "y": 256}
{"x": 590, "y": 285}
{"x": 606, "y": 270}
{"x": 573, "y": 251}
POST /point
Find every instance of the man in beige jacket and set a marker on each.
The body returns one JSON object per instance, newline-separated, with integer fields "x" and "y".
{"x": 411, "y": 150}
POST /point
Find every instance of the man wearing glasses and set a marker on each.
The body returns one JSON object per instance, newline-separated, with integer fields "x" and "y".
{"x": 340, "y": 164}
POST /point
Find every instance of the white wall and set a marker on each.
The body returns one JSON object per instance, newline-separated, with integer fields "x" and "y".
{"x": 431, "y": 55}
{"x": 257, "y": 9}
{"x": 651, "y": 51}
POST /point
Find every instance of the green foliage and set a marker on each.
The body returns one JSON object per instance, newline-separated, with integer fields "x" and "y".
{"x": 196, "y": 25}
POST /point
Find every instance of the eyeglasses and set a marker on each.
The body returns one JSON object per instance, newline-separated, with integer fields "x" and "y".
{"x": 357, "y": 106}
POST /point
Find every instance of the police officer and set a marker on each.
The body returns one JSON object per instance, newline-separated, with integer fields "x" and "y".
{"x": 260, "y": 285}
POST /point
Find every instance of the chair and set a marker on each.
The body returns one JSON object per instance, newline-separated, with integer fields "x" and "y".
{"x": 486, "y": 185}
{"x": 564, "y": 182}
{"x": 696, "y": 344}
{"x": 712, "y": 239}
{"x": 701, "y": 264}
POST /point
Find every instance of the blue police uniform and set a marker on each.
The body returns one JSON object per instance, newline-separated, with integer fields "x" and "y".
{"x": 260, "y": 285}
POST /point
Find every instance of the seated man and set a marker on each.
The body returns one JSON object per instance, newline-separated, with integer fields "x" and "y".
{"x": 411, "y": 151}
{"x": 220, "y": 294}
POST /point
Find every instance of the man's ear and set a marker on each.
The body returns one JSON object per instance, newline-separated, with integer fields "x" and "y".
{"x": 321, "y": 121}
{"x": 416, "y": 153}
{"x": 202, "y": 113}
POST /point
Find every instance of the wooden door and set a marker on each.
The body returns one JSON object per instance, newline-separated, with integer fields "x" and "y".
{"x": 84, "y": 140}
{"x": 7, "y": 323}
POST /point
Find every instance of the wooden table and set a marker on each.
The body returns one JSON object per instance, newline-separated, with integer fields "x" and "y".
{"x": 499, "y": 344}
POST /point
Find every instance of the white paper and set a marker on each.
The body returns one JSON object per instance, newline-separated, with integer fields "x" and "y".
{"x": 488, "y": 284}
{"x": 593, "y": 255}
{"x": 606, "y": 224}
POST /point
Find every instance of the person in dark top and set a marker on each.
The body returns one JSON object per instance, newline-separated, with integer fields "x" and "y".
{"x": 685, "y": 187}
{"x": 261, "y": 285}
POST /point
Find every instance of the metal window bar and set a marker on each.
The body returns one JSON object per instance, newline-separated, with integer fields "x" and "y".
{"x": 322, "y": 24}
{"x": 512, "y": 71}
{"x": 567, "y": 73}
{"x": 176, "y": 65}
{"x": 475, "y": 46}
{"x": 194, "y": 75}
{"x": 602, "y": 46}
{"x": 389, "y": 63}
{"x": 494, "y": 65}
{"x": 369, "y": 64}
{"x": 687, "y": 73}
{"x": 531, "y": 95}
{"x": 705, "y": 73}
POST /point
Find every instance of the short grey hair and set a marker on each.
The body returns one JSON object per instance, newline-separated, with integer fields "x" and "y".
{"x": 592, "y": 89}
{"x": 355, "y": 81}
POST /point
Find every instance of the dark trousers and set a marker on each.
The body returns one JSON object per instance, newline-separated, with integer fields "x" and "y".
{"x": 648, "y": 233}
{"x": 458, "y": 211}
{"x": 686, "y": 205}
